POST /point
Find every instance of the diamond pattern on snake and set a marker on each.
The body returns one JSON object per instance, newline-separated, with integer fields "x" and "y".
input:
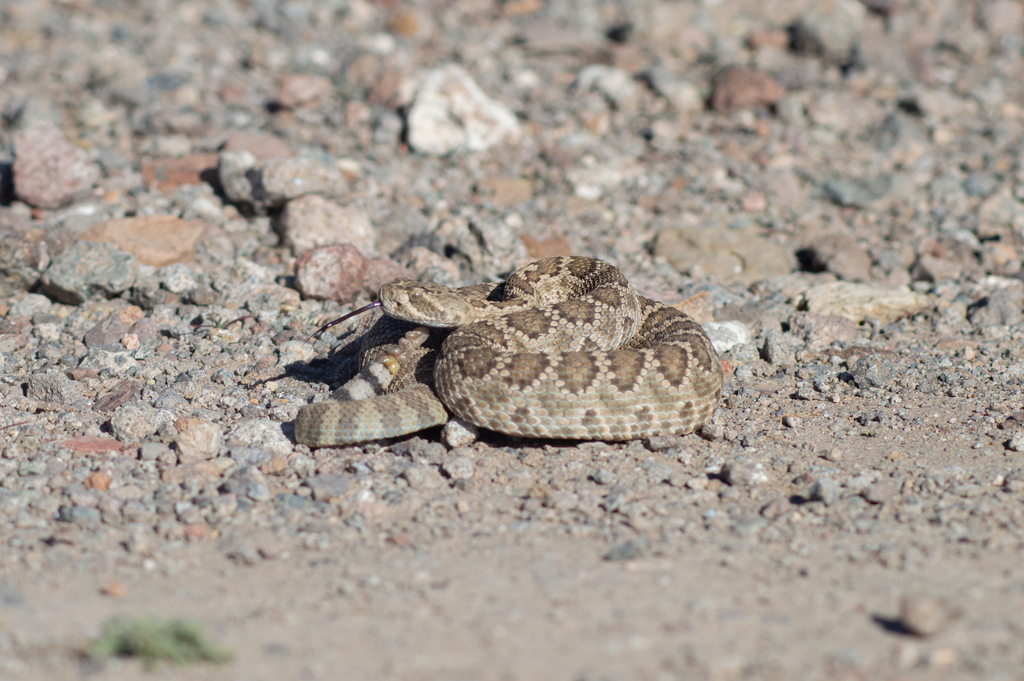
{"x": 565, "y": 349}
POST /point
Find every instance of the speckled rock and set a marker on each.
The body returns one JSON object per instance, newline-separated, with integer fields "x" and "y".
{"x": 134, "y": 421}
{"x": 330, "y": 273}
{"x": 53, "y": 386}
{"x": 89, "y": 269}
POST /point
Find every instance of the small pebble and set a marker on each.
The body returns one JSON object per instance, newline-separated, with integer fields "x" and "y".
{"x": 924, "y": 615}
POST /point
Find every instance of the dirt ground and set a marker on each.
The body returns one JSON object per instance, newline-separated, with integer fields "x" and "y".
{"x": 833, "y": 187}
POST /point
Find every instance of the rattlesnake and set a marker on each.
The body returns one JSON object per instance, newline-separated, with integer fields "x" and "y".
{"x": 565, "y": 348}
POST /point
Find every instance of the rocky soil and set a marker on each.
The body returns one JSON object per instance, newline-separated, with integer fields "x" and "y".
{"x": 835, "y": 188}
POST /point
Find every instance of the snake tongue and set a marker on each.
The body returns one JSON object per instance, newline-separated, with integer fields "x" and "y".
{"x": 339, "y": 320}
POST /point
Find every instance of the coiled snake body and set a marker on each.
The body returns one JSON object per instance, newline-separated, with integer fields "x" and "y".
{"x": 565, "y": 348}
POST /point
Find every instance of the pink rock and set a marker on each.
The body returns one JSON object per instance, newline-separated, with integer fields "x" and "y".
{"x": 296, "y": 89}
{"x": 742, "y": 88}
{"x": 330, "y": 272}
{"x": 49, "y": 171}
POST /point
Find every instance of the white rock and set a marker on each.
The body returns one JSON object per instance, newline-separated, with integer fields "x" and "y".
{"x": 459, "y": 433}
{"x": 176, "y": 278}
{"x": 451, "y": 112}
{"x": 262, "y": 433}
{"x": 615, "y": 84}
{"x": 726, "y": 335}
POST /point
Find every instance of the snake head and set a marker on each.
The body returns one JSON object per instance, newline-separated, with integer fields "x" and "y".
{"x": 427, "y": 303}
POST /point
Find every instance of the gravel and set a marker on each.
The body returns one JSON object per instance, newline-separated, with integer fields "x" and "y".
{"x": 835, "y": 187}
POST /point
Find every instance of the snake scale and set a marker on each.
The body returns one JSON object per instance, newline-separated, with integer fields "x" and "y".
{"x": 565, "y": 348}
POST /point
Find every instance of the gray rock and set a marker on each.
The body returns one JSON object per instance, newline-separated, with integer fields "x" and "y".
{"x": 485, "y": 246}
{"x": 712, "y": 432}
{"x": 31, "y": 305}
{"x": 260, "y": 433}
{"x": 53, "y": 386}
{"x": 831, "y": 28}
{"x": 100, "y": 359}
{"x": 277, "y": 181}
{"x": 273, "y": 182}
{"x": 145, "y": 329}
{"x": 661, "y": 443}
{"x": 89, "y": 269}
{"x": 617, "y": 86}
{"x": 826, "y": 490}
{"x": 819, "y": 331}
{"x": 142, "y": 541}
{"x": 1002, "y": 307}
{"x": 170, "y": 400}
{"x": 901, "y": 138}
{"x": 980, "y": 184}
{"x": 744, "y": 473}
{"x": 879, "y": 492}
{"x": 79, "y": 515}
{"x": 872, "y": 371}
{"x": 248, "y": 482}
{"x": 134, "y": 421}
{"x": 450, "y": 112}
{"x": 458, "y": 467}
{"x": 422, "y": 477}
{"x": 327, "y": 487}
{"x": 839, "y": 254}
{"x": 176, "y": 278}
{"x": 683, "y": 95}
{"x": 107, "y": 331}
{"x": 776, "y": 508}
{"x": 779, "y": 348}
{"x": 156, "y": 451}
{"x": 232, "y": 170}
{"x": 1016, "y": 442}
{"x": 629, "y": 550}
{"x": 857, "y": 192}
{"x": 998, "y": 213}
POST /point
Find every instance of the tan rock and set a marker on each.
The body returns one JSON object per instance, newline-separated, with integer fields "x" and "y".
{"x": 856, "y": 302}
{"x": 548, "y": 248}
{"x": 167, "y": 174}
{"x": 734, "y": 255}
{"x": 156, "y": 240}
{"x": 501, "y": 192}
{"x": 197, "y": 439}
